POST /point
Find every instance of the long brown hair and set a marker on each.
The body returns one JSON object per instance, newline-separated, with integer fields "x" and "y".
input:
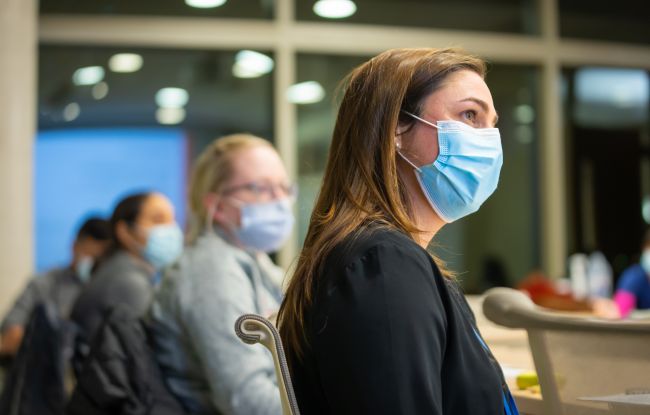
{"x": 361, "y": 185}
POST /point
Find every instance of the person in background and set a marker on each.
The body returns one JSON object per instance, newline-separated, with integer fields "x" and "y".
{"x": 370, "y": 321}
{"x": 633, "y": 288}
{"x": 60, "y": 286}
{"x": 241, "y": 203}
{"x": 145, "y": 238}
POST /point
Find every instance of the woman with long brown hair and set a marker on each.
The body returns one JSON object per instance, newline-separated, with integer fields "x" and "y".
{"x": 371, "y": 323}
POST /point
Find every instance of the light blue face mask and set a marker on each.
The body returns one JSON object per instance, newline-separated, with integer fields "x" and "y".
{"x": 466, "y": 171}
{"x": 265, "y": 226}
{"x": 645, "y": 261}
{"x": 164, "y": 245}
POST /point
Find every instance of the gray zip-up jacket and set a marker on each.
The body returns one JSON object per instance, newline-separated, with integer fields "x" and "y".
{"x": 193, "y": 314}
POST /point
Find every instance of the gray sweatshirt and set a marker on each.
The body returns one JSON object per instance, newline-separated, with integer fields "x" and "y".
{"x": 193, "y": 315}
{"x": 121, "y": 279}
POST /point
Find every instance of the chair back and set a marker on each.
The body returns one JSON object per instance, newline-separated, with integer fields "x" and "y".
{"x": 251, "y": 329}
{"x": 578, "y": 357}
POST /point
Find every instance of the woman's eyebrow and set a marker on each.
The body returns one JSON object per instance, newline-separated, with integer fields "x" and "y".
{"x": 483, "y": 105}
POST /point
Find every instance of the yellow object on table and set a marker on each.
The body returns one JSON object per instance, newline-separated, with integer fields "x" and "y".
{"x": 526, "y": 380}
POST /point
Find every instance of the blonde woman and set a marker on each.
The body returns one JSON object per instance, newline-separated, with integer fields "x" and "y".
{"x": 241, "y": 202}
{"x": 371, "y": 323}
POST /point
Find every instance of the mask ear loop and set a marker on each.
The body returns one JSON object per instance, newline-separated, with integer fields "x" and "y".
{"x": 408, "y": 161}
{"x": 421, "y": 119}
{"x": 229, "y": 230}
{"x": 398, "y": 147}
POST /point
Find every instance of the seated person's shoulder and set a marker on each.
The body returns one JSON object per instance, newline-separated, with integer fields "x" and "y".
{"x": 389, "y": 244}
{"x": 633, "y": 277}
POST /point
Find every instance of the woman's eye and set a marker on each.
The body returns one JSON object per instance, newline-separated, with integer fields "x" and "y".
{"x": 470, "y": 115}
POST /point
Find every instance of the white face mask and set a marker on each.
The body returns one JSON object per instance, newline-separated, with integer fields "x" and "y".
{"x": 84, "y": 268}
{"x": 266, "y": 226}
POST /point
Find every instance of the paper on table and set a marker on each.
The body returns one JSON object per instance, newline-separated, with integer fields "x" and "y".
{"x": 641, "y": 399}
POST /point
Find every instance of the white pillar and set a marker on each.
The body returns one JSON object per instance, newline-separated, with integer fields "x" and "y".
{"x": 285, "y": 114}
{"x": 553, "y": 178}
{"x": 18, "y": 57}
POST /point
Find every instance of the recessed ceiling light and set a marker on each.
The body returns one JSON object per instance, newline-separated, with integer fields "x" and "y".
{"x": 170, "y": 116}
{"x": 71, "y": 111}
{"x": 100, "y": 90}
{"x": 335, "y": 9}
{"x": 172, "y": 97}
{"x": 251, "y": 64}
{"x": 308, "y": 92}
{"x": 205, "y": 4}
{"x": 125, "y": 62}
{"x": 89, "y": 75}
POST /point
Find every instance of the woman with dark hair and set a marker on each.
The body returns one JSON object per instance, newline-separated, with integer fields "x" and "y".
{"x": 372, "y": 324}
{"x": 145, "y": 238}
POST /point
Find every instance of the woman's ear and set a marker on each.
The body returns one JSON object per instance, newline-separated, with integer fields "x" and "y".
{"x": 124, "y": 236}
{"x": 214, "y": 207}
{"x": 398, "y": 142}
{"x": 209, "y": 201}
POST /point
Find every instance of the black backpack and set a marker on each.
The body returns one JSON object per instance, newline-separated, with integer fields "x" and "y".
{"x": 35, "y": 383}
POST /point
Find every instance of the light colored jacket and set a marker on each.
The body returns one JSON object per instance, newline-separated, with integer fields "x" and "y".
{"x": 193, "y": 315}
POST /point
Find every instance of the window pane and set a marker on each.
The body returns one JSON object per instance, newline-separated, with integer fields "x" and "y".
{"x": 217, "y": 101}
{"x": 101, "y": 166}
{"x": 128, "y": 131}
{"x": 250, "y": 9}
{"x": 315, "y": 124}
{"x": 509, "y": 16}
{"x": 608, "y": 154}
{"x": 505, "y": 231}
{"x": 623, "y": 21}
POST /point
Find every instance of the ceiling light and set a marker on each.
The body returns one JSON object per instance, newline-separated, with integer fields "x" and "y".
{"x": 71, "y": 111}
{"x": 335, "y": 9}
{"x": 305, "y": 93}
{"x": 100, "y": 90}
{"x": 125, "y": 62}
{"x": 205, "y": 4}
{"x": 251, "y": 64}
{"x": 172, "y": 97}
{"x": 89, "y": 75}
{"x": 170, "y": 116}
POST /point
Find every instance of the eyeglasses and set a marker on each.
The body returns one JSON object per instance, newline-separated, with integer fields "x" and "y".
{"x": 264, "y": 191}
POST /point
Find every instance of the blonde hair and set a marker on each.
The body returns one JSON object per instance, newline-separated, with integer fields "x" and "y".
{"x": 361, "y": 185}
{"x": 212, "y": 169}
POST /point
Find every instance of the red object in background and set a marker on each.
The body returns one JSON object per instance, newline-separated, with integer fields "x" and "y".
{"x": 543, "y": 293}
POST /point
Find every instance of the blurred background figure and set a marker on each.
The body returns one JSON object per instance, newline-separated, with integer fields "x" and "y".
{"x": 633, "y": 288}
{"x": 59, "y": 286}
{"x": 241, "y": 203}
{"x": 144, "y": 239}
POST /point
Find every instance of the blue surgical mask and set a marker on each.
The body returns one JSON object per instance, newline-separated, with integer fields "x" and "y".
{"x": 84, "y": 267}
{"x": 645, "y": 261}
{"x": 265, "y": 226}
{"x": 164, "y": 245}
{"x": 466, "y": 171}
